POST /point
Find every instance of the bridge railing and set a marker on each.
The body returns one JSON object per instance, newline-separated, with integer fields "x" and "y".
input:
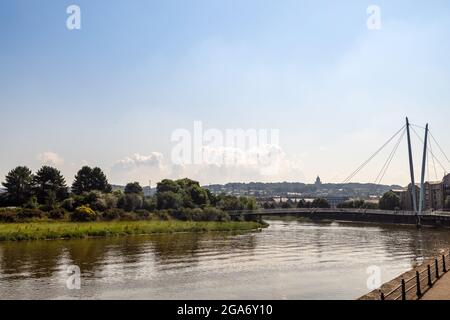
{"x": 414, "y": 287}
{"x": 322, "y": 210}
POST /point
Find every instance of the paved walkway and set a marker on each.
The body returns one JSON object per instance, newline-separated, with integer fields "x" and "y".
{"x": 440, "y": 290}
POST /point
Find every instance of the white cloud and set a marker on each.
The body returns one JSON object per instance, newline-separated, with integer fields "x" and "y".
{"x": 141, "y": 168}
{"x": 155, "y": 159}
{"x": 50, "y": 158}
{"x": 267, "y": 163}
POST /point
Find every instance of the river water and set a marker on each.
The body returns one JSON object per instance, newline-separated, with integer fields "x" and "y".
{"x": 291, "y": 259}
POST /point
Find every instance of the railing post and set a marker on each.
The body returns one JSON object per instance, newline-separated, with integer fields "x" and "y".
{"x": 381, "y": 295}
{"x": 437, "y": 268}
{"x": 403, "y": 290}
{"x": 419, "y": 292}
{"x": 444, "y": 269}
{"x": 430, "y": 283}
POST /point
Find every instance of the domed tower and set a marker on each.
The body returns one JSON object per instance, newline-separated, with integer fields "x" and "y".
{"x": 318, "y": 182}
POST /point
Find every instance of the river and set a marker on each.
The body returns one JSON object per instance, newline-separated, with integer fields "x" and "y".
{"x": 292, "y": 259}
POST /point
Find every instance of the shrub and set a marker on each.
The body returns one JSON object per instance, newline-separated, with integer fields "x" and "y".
{"x": 112, "y": 214}
{"x": 213, "y": 214}
{"x": 163, "y": 215}
{"x": 57, "y": 214}
{"x": 68, "y": 204}
{"x": 149, "y": 204}
{"x": 130, "y": 202}
{"x": 32, "y": 203}
{"x": 99, "y": 204}
{"x": 447, "y": 202}
{"x": 320, "y": 203}
{"x": 8, "y": 215}
{"x": 83, "y": 213}
{"x": 24, "y": 214}
{"x": 169, "y": 200}
{"x": 389, "y": 201}
{"x": 46, "y": 208}
{"x": 142, "y": 214}
{"x": 128, "y": 216}
{"x": 286, "y": 205}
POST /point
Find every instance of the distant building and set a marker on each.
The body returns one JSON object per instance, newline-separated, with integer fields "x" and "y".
{"x": 334, "y": 201}
{"x": 446, "y": 186}
{"x": 434, "y": 196}
{"x": 318, "y": 182}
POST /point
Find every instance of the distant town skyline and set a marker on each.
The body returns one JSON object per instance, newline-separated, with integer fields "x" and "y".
{"x": 113, "y": 93}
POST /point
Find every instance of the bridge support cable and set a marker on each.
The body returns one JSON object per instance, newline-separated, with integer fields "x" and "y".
{"x": 440, "y": 148}
{"x": 431, "y": 152}
{"x": 391, "y": 156}
{"x": 372, "y": 156}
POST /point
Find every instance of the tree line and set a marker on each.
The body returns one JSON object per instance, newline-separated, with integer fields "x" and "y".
{"x": 91, "y": 196}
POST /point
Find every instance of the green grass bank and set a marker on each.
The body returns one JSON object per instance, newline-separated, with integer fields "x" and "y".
{"x": 72, "y": 230}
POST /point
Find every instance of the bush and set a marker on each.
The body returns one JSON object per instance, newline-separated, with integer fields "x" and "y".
{"x": 130, "y": 202}
{"x": 149, "y": 204}
{"x": 32, "y": 203}
{"x": 169, "y": 200}
{"x": 112, "y": 214}
{"x": 389, "y": 201}
{"x": 57, "y": 214}
{"x": 320, "y": 203}
{"x": 163, "y": 215}
{"x": 181, "y": 214}
{"x": 8, "y": 215}
{"x": 142, "y": 214}
{"x": 128, "y": 216}
{"x": 82, "y": 214}
{"x": 24, "y": 214}
{"x": 213, "y": 214}
{"x": 286, "y": 205}
{"x": 68, "y": 204}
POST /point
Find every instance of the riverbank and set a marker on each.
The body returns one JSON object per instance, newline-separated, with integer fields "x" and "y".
{"x": 72, "y": 230}
{"x": 421, "y": 282}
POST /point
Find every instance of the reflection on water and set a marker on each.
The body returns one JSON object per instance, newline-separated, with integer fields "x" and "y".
{"x": 289, "y": 260}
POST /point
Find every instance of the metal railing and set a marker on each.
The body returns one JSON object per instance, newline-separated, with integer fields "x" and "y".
{"x": 322, "y": 210}
{"x": 416, "y": 286}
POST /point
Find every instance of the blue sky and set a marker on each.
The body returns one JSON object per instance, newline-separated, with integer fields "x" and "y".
{"x": 113, "y": 92}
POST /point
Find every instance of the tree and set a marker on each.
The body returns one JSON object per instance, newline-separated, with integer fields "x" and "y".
{"x": 302, "y": 204}
{"x": 320, "y": 203}
{"x": 133, "y": 187}
{"x": 49, "y": 183}
{"x": 18, "y": 185}
{"x": 82, "y": 182}
{"x": 447, "y": 202}
{"x": 169, "y": 200}
{"x": 167, "y": 185}
{"x": 286, "y": 205}
{"x": 88, "y": 179}
{"x": 130, "y": 202}
{"x": 198, "y": 195}
{"x": 389, "y": 201}
{"x": 99, "y": 181}
{"x": 229, "y": 203}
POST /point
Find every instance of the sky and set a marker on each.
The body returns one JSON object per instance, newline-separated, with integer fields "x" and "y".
{"x": 116, "y": 92}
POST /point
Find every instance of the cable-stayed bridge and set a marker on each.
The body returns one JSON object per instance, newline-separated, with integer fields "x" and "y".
{"x": 433, "y": 159}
